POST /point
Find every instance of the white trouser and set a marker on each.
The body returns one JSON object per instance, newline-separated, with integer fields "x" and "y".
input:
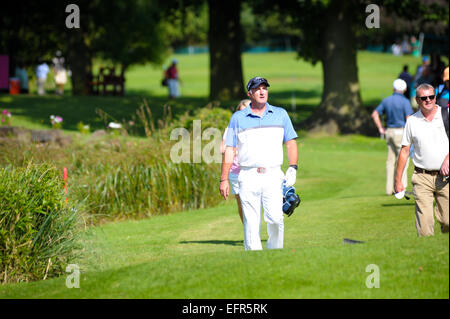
{"x": 40, "y": 85}
{"x": 262, "y": 188}
{"x": 174, "y": 90}
{"x": 394, "y": 144}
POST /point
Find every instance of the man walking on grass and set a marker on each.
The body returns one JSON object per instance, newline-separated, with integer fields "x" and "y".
{"x": 425, "y": 130}
{"x": 258, "y": 133}
{"x": 397, "y": 109}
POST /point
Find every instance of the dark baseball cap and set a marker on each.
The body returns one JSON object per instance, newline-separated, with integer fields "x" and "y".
{"x": 255, "y": 82}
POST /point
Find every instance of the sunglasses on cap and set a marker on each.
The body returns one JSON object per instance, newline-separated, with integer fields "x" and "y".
{"x": 424, "y": 98}
{"x": 255, "y": 82}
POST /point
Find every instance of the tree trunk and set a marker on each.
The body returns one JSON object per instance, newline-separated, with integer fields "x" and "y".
{"x": 341, "y": 109}
{"x": 224, "y": 35}
{"x": 79, "y": 61}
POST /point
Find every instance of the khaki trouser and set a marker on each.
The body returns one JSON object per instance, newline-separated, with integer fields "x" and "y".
{"x": 394, "y": 144}
{"x": 426, "y": 189}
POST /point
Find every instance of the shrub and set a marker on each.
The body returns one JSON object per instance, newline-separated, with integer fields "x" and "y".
{"x": 211, "y": 117}
{"x": 37, "y": 228}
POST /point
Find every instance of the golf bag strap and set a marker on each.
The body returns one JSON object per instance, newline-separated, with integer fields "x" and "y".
{"x": 444, "y": 112}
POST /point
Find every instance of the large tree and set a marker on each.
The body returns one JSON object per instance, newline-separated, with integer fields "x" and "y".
{"x": 330, "y": 30}
{"x": 27, "y": 31}
{"x": 224, "y": 38}
{"x": 122, "y": 31}
{"x": 225, "y": 41}
{"x": 328, "y": 35}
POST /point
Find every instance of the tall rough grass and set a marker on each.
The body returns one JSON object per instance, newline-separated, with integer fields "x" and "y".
{"x": 38, "y": 229}
{"x": 120, "y": 176}
{"x": 138, "y": 179}
{"x": 144, "y": 190}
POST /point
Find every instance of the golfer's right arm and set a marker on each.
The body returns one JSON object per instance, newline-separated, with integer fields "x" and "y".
{"x": 401, "y": 163}
{"x": 227, "y": 160}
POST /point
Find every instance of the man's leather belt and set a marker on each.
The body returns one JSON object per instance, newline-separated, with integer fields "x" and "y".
{"x": 424, "y": 171}
{"x": 260, "y": 170}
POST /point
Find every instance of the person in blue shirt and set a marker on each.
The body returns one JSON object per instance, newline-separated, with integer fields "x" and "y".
{"x": 22, "y": 74}
{"x": 258, "y": 133}
{"x": 42, "y": 71}
{"x": 397, "y": 109}
{"x": 442, "y": 90}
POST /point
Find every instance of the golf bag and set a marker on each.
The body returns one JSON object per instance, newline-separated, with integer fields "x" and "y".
{"x": 290, "y": 200}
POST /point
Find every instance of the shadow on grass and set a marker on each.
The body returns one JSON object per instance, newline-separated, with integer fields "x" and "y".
{"x": 214, "y": 242}
{"x": 218, "y": 242}
{"x": 399, "y": 204}
{"x": 75, "y": 109}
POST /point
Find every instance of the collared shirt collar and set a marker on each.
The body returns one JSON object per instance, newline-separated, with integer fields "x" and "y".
{"x": 436, "y": 115}
{"x": 248, "y": 110}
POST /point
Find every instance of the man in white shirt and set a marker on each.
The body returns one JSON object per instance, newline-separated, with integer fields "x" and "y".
{"x": 425, "y": 130}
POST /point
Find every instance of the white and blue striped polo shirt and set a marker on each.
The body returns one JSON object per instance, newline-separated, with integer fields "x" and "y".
{"x": 259, "y": 140}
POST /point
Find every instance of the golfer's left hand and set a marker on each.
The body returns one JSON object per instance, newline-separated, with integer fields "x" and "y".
{"x": 291, "y": 176}
{"x": 224, "y": 188}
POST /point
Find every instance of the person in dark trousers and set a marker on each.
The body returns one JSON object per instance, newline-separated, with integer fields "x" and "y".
{"x": 405, "y": 76}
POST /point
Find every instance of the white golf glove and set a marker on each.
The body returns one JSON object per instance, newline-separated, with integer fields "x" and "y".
{"x": 291, "y": 176}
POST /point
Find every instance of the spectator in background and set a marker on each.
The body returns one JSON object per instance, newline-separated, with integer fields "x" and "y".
{"x": 173, "y": 80}
{"x": 396, "y": 49}
{"x": 22, "y": 74}
{"x": 442, "y": 90}
{"x": 235, "y": 168}
{"x": 436, "y": 69}
{"x": 406, "y": 48}
{"x": 415, "y": 44}
{"x": 420, "y": 76}
{"x": 425, "y": 76}
{"x": 425, "y": 63}
{"x": 405, "y": 76}
{"x": 42, "y": 71}
{"x": 397, "y": 109}
{"x": 60, "y": 72}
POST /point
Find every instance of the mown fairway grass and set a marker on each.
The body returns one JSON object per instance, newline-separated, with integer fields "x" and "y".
{"x": 199, "y": 254}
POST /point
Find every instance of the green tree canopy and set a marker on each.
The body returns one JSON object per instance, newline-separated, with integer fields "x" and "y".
{"x": 123, "y": 31}
{"x": 330, "y": 34}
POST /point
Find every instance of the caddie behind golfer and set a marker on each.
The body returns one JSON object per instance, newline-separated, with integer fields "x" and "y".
{"x": 258, "y": 133}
